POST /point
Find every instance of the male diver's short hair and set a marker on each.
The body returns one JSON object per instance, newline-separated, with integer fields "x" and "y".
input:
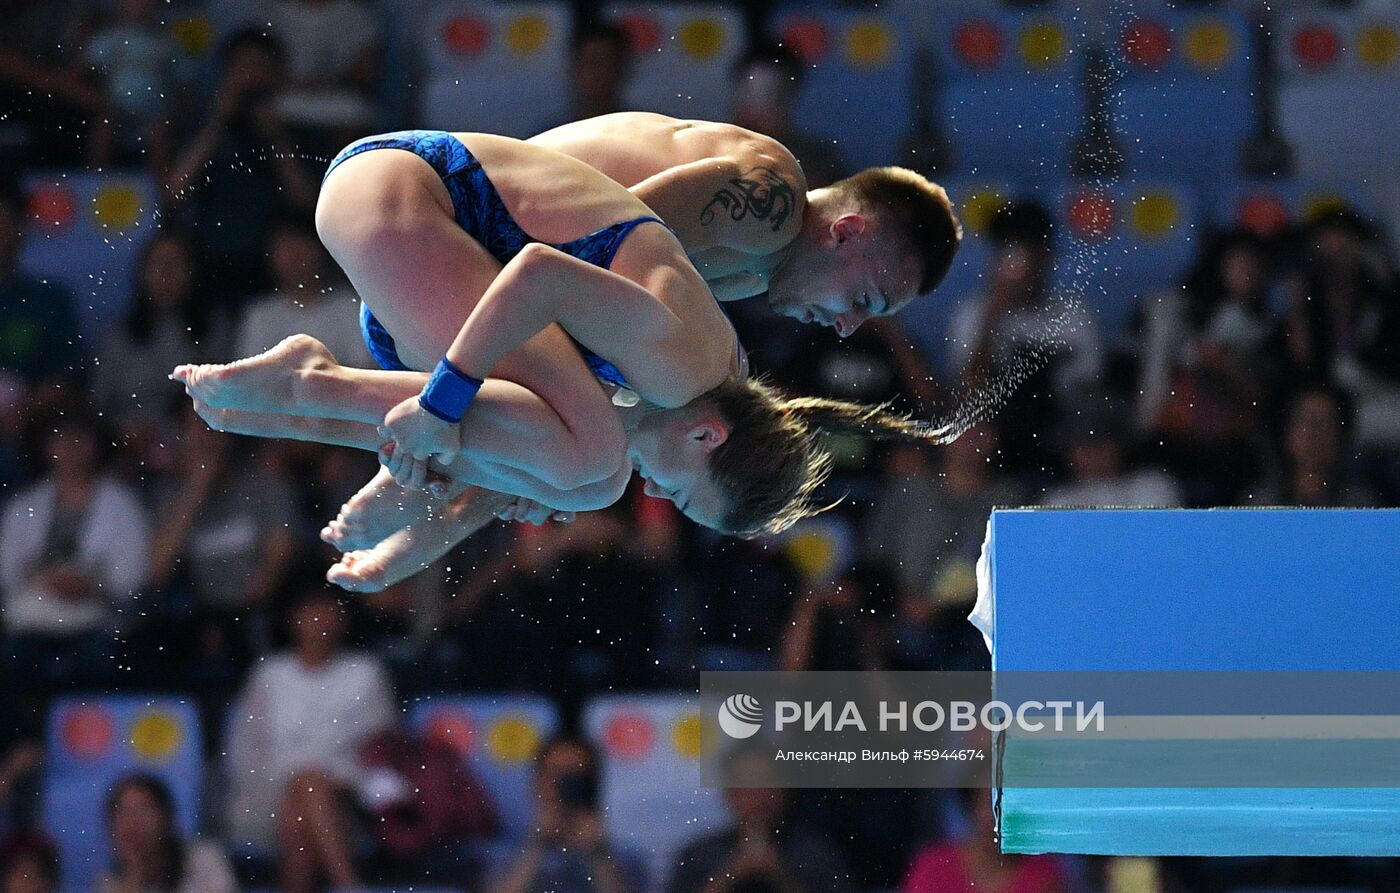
{"x": 919, "y": 208}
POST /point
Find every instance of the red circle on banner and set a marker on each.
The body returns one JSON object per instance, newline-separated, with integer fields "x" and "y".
{"x": 643, "y": 32}
{"x": 1263, "y": 214}
{"x": 1091, "y": 214}
{"x": 979, "y": 44}
{"x": 807, "y": 38}
{"x": 452, "y": 728}
{"x": 466, "y": 35}
{"x": 1147, "y": 44}
{"x": 1317, "y": 47}
{"x": 52, "y": 206}
{"x": 630, "y": 735}
{"x": 87, "y": 732}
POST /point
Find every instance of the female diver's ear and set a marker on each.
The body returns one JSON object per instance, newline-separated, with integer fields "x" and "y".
{"x": 711, "y": 433}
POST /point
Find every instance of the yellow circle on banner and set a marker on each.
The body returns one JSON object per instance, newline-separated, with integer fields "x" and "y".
{"x": 1155, "y": 214}
{"x": 1378, "y": 45}
{"x": 1043, "y": 45}
{"x": 527, "y": 34}
{"x": 702, "y": 38}
{"x": 869, "y": 44}
{"x": 1208, "y": 45}
{"x": 194, "y": 35}
{"x": 512, "y": 739}
{"x": 1320, "y": 205}
{"x": 155, "y": 736}
{"x": 980, "y": 207}
{"x": 685, "y": 736}
{"x": 812, "y": 553}
{"x": 116, "y": 206}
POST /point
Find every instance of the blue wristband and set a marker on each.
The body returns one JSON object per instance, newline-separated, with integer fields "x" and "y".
{"x": 449, "y": 392}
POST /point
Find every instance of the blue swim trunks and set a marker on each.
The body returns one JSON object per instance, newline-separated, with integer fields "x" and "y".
{"x": 478, "y": 209}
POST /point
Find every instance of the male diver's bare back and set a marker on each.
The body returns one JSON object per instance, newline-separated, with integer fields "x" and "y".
{"x": 631, "y": 146}
{"x": 734, "y": 197}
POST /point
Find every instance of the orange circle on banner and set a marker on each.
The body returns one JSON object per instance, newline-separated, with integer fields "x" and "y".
{"x": 979, "y": 44}
{"x": 685, "y": 736}
{"x": 1209, "y": 45}
{"x": 1262, "y": 214}
{"x": 155, "y": 736}
{"x": 1091, "y": 215}
{"x": 52, "y": 206}
{"x": 807, "y": 38}
{"x": 869, "y": 44}
{"x": 643, "y": 32}
{"x": 87, "y": 732}
{"x": 116, "y": 206}
{"x": 466, "y": 35}
{"x": 1318, "y": 206}
{"x": 195, "y": 35}
{"x": 1155, "y": 214}
{"x": 1043, "y": 45}
{"x": 629, "y": 735}
{"x": 702, "y": 38}
{"x": 980, "y": 207}
{"x": 1317, "y": 47}
{"x": 1378, "y": 46}
{"x": 527, "y": 34}
{"x": 1147, "y": 44}
{"x": 512, "y": 739}
{"x": 453, "y": 729}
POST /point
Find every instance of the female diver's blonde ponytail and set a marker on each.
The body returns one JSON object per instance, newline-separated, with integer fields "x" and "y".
{"x": 773, "y": 460}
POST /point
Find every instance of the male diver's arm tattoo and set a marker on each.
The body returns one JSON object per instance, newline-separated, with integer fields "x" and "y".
{"x": 760, "y": 193}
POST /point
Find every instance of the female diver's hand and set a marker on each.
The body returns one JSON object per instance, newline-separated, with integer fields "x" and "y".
{"x": 529, "y": 511}
{"x": 418, "y": 436}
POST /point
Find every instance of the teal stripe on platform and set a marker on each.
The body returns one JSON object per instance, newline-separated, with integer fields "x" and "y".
{"x": 1202, "y": 821}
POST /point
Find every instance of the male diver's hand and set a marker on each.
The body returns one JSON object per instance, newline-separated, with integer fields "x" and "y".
{"x": 418, "y": 436}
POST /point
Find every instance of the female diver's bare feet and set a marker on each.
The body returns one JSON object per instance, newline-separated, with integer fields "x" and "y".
{"x": 263, "y": 383}
{"x": 405, "y": 553}
{"x": 380, "y": 509}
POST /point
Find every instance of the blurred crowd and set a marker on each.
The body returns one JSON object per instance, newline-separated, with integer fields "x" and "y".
{"x": 139, "y": 551}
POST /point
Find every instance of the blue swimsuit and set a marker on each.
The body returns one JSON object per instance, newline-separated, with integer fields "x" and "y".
{"x": 478, "y": 210}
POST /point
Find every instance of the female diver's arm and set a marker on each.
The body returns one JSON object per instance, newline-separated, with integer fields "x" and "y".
{"x": 665, "y": 360}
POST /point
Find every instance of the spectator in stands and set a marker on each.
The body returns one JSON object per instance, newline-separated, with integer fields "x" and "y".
{"x": 150, "y": 854}
{"x": 238, "y": 171}
{"x": 975, "y": 863}
{"x": 932, "y": 508}
{"x": 600, "y": 66}
{"x": 1096, "y": 442}
{"x": 134, "y": 59}
{"x": 1210, "y": 365}
{"x": 766, "y": 81}
{"x": 760, "y": 851}
{"x": 294, "y": 753}
{"x": 224, "y": 528}
{"x": 167, "y": 324}
{"x": 50, "y": 104}
{"x": 1022, "y": 337}
{"x": 1344, "y": 324}
{"x": 39, "y": 338}
{"x": 28, "y": 864}
{"x": 73, "y": 554}
{"x": 307, "y": 298}
{"x": 568, "y": 851}
{"x": 1316, "y": 469}
{"x": 1342, "y": 313}
{"x": 833, "y": 626}
{"x": 333, "y": 55}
